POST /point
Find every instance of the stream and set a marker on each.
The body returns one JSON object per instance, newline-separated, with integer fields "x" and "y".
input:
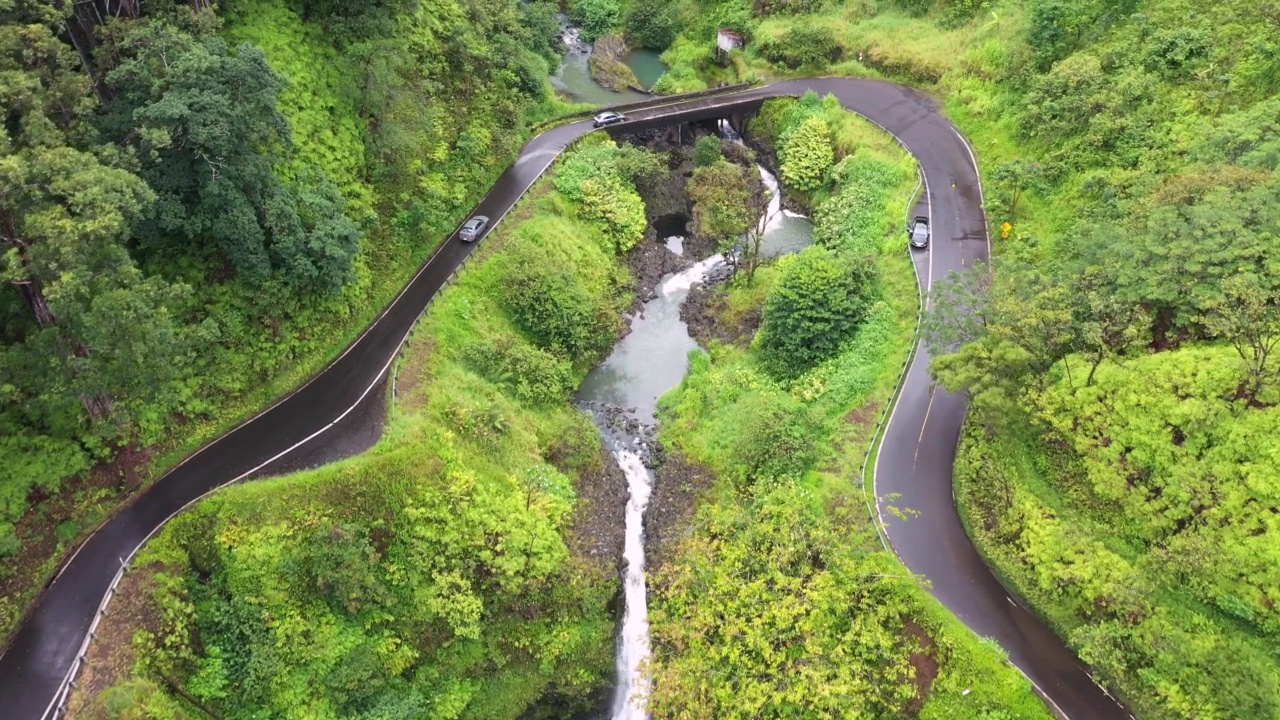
{"x": 623, "y": 393}
{"x": 573, "y": 77}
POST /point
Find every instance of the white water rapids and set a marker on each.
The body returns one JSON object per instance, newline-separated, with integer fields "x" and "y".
{"x": 632, "y": 698}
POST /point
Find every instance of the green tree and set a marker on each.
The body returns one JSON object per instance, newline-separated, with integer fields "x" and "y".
{"x": 817, "y": 305}
{"x": 1012, "y": 179}
{"x": 207, "y": 126}
{"x": 595, "y": 17}
{"x": 1247, "y": 317}
{"x": 776, "y": 443}
{"x": 707, "y": 151}
{"x": 106, "y": 332}
{"x": 724, "y": 205}
{"x": 652, "y": 23}
{"x": 806, "y": 155}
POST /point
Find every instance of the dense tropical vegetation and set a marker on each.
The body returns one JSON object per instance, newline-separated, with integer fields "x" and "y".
{"x": 1120, "y": 358}
{"x": 782, "y": 586}
{"x": 450, "y": 572}
{"x": 203, "y": 204}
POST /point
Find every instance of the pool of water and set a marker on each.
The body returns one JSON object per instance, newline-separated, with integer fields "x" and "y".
{"x": 647, "y": 65}
{"x": 573, "y": 77}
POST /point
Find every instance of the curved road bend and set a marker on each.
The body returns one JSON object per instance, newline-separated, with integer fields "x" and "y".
{"x": 317, "y": 422}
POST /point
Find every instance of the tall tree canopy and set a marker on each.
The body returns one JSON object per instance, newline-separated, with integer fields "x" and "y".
{"x": 208, "y": 131}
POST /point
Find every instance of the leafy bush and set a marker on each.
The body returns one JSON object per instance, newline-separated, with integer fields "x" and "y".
{"x": 601, "y": 179}
{"x": 780, "y": 561}
{"x": 679, "y": 79}
{"x": 803, "y": 46}
{"x": 724, "y": 197}
{"x": 595, "y": 17}
{"x": 777, "y": 440}
{"x": 707, "y": 151}
{"x": 820, "y": 301}
{"x": 853, "y": 219}
{"x": 535, "y": 376}
{"x": 806, "y": 155}
{"x": 551, "y": 304}
{"x": 652, "y": 24}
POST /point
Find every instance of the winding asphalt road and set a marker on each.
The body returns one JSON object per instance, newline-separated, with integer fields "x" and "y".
{"x": 338, "y": 413}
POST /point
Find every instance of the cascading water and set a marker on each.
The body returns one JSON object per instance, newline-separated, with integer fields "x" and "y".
{"x": 784, "y": 231}
{"x": 649, "y": 361}
{"x": 632, "y": 698}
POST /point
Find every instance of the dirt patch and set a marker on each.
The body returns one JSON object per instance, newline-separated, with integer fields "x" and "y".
{"x": 864, "y": 415}
{"x": 924, "y": 660}
{"x": 678, "y": 489}
{"x": 112, "y": 654}
{"x": 704, "y": 313}
{"x": 598, "y": 530}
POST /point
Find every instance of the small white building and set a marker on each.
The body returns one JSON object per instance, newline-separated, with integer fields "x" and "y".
{"x": 726, "y": 41}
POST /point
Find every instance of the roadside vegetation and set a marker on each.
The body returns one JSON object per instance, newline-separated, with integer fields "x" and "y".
{"x": 204, "y": 207}
{"x": 463, "y": 568}
{"x": 781, "y": 585}
{"x": 204, "y": 204}
{"x": 1121, "y": 360}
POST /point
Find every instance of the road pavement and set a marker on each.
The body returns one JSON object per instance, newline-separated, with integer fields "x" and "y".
{"x": 339, "y": 413}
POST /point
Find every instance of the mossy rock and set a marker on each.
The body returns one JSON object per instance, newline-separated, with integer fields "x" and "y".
{"x": 607, "y": 67}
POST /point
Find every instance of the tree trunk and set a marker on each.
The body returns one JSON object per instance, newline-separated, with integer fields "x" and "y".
{"x": 32, "y": 290}
{"x": 80, "y": 23}
{"x": 33, "y": 293}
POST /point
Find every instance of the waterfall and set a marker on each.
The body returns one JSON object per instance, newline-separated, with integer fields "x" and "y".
{"x": 772, "y": 217}
{"x": 632, "y": 698}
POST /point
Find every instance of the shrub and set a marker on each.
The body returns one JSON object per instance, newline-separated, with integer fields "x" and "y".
{"x": 679, "y": 79}
{"x": 596, "y": 17}
{"x": 600, "y": 179}
{"x": 707, "y": 151}
{"x": 807, "y": 154}
{"x": 722, "y": 194}
{"x": 776, "y": 441}
{"x": 805, "y": 45}
{"x": 534, "y": 375}
{"x": 552, "y": 305}
{"x": 652, "y": 23}
{"x": 820, "y": 301}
